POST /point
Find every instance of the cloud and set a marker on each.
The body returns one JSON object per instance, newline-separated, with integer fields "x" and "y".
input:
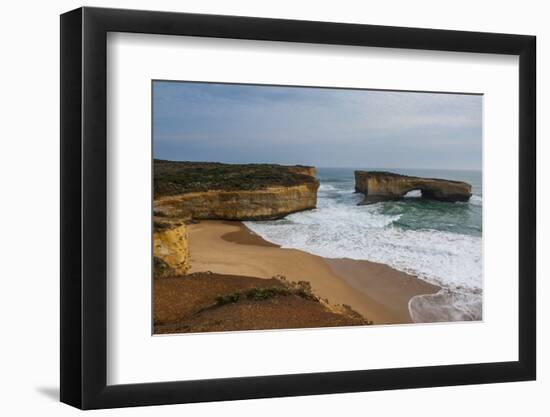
{"x": 322, "y": 127}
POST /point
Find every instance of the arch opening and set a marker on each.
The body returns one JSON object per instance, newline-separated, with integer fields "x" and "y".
{"x": 414, "y": 193}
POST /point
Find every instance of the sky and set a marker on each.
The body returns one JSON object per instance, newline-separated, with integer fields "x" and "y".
{"x": 237, "y": 123}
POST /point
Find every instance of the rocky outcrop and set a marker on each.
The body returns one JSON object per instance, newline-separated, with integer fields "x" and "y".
{"x": 187, "y": 191}
{"x": 170, "y": 249}
{"x": 385, "y": 186}
{"x": 216, "y": 191}
{"x": 261, "y": 204}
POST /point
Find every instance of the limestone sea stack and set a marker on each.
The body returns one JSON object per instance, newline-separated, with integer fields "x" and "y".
{"x": 216, "y": 191}
{"x": 386, "y": 186}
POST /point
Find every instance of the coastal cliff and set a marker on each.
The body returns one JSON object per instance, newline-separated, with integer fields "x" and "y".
{"x": 232, "y": 192}
{"x": 188, "y": 296}
{"x": 264, "y": 204}
{"x": 189, "y": 191}
{"x": 386, "y": 186}
{"x": 170, "y": 249}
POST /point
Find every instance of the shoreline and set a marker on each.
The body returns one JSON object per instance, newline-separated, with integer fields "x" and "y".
{"x": 378, "y": 292}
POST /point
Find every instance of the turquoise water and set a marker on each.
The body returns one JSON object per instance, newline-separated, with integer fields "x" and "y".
{"x": 417, "y": 213}
{"x": 439, "y": 242}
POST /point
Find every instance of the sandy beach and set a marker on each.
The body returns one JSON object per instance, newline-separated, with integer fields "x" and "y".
{"x": 376, "y": 291}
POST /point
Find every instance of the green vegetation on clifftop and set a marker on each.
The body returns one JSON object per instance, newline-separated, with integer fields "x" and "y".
{"x": 172, "y": 178}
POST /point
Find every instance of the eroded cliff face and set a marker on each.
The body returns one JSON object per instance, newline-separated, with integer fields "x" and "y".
{"x": 303, "y": 170}
{"x": 261, "y": 204}
{"x": 217, "y": 191}
{"x": 170, "y": 249}
{"x": 187, "y": 191}
{"x": 384, "y": 186}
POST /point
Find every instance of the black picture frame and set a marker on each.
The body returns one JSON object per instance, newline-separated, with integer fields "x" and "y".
{"x": 84, "y": 207}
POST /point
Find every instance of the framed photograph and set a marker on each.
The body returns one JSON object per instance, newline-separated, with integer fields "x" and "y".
{"x": 258, "y": 208}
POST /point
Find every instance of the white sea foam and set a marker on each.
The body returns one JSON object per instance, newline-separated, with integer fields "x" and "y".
{"x": 413, "y": 193}
{"x": 446, "y": 305}
{"x": 476, "y": 200}
{"x": 339, "y": 228}
{"x": 361, "y": 232}
{"x": 327, "y": 187}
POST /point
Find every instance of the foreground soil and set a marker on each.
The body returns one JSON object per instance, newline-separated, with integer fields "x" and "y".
{"x": 208, "y": 302}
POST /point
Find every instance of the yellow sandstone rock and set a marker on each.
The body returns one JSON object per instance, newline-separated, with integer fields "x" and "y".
{"x": 187, "y": 191}
{"x": 384, "y": 186}
{"x": 170, "y": 249}
{"x": 268, "y": 203}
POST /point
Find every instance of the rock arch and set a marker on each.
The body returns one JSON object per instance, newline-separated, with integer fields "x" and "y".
{"x": 386, "y": 186}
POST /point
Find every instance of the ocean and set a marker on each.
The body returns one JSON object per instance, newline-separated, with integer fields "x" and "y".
{"x": 438, "y": 242}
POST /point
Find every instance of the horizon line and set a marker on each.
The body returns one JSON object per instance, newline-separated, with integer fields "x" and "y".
{"x": 318, "y": 166}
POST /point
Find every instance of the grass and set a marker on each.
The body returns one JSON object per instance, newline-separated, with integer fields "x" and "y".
{"x": 301, "y": 289}
{"x": 171, "y": 178}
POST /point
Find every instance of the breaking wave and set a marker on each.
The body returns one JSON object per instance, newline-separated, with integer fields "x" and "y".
{"x": 338, "y": 228}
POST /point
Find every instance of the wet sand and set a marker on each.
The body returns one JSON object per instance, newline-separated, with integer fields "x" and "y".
{"x": 378, "y": 292}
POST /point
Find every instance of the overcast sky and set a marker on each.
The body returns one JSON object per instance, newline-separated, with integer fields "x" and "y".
{"x": 315, "y": 126}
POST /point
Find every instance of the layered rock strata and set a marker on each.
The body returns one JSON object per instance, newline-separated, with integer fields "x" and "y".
{"x": 386, "y": 186}
{"x": 170, "y": 248}
{"x": 265, "y": 204}
{"x": 188, "y": 191}
{"x": 232, "y": 192}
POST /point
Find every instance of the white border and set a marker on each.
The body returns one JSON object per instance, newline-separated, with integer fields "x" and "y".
{"x": 134, "y": 356}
